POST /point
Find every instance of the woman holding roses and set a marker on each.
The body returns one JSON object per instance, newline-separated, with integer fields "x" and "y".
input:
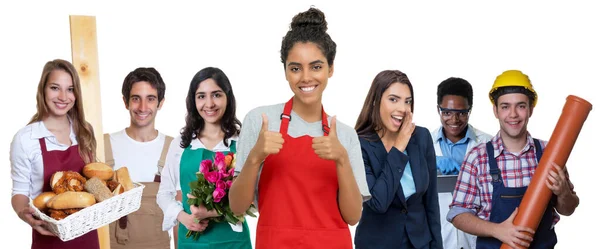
{"x": 211, "y": 127}
{"x": 306, "y": 170}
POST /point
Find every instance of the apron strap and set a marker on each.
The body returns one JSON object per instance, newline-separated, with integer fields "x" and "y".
{"x": 108, "y": 153}
{"x": 43, "y": 145}
{"x": 324, "y": 122}
{"x": 286, "y": 117}
{"x": 163, "y": 157}
{"x": 538, "y": 149}
{"x": 494, "y": 170}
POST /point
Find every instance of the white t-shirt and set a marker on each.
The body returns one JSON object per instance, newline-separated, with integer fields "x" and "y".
{"x": 140, "y": 158}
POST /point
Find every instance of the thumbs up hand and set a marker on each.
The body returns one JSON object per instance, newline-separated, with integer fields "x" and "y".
{"x": 268, "y": 142}
{"x": 329, "y": 147}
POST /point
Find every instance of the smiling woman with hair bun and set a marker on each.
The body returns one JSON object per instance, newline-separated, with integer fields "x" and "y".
{"x": 312, "y": 179}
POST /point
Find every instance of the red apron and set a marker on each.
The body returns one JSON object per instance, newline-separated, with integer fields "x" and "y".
{"x": 298, "y": 194}
{"x": 62, "y": 161}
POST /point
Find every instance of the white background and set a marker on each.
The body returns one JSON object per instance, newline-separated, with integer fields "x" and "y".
{"x": 557, "y": 45}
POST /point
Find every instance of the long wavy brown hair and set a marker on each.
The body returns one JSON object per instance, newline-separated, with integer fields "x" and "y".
{"x": 82, "y": 129}
{"x": 369, "y": 119}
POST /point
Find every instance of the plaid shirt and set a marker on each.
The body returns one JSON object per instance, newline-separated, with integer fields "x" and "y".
{"x": 474, "y": 189}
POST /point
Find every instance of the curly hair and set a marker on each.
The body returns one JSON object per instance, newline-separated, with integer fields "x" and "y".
{"x": 194, "y": 123}
{"x": 455, "y": 86}
{"x": 309, "y": 26}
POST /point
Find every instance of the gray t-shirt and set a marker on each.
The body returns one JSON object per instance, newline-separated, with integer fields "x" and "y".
{"x": 297, "y": 128}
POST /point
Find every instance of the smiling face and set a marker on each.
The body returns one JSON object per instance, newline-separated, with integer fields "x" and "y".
{"x": 395, "y": 104}
{"x": 143, "y": 104}
{"x": 59, "y": 95}
{"x": 513, "y": 111}
{"x": 454, "y": 115}
{"x": 307, "y": 72}
{"x": 211, "y": 101}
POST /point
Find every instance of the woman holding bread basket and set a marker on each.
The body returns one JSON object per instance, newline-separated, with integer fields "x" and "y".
{"x": 56, "y": 139}
{"x": 211, "y": 126}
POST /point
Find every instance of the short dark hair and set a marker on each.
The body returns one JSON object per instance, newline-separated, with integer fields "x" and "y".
{"x": 455, "y": 86}
{"x": 194, "y": 124}
{"x": 309, "y": 26}
{"x": 148, "y": 74}
{"x": 512, "y": 89}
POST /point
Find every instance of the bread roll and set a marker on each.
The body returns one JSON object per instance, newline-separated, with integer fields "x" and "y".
{"x": 55, "y": 177}
{"x": 122, "y": 175}
{"x": 40, "y": 201}
{"x": 71, "y": 199}
{"x": 118, "y": 190}
{"x": 62, "y": 181}
{"x": 94, "y": 186}
{"x": 100, "y": 170}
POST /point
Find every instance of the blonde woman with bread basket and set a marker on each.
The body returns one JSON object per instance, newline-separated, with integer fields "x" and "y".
{"x": 56, "y": 139}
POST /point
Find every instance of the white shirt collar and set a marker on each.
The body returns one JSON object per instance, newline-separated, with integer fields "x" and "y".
{"x": 39, "y": 130}
{"x": 197, "y": 144}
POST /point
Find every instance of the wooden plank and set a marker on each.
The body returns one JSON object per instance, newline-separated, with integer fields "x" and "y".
{"x": 84, "y": 52}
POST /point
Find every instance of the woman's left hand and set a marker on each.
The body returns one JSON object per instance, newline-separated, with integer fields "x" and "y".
{"x": 557, "y": 181}
{"x": 329, "y": 147}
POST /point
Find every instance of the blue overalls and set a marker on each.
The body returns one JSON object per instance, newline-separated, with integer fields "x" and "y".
{"x": 504, "y": 202}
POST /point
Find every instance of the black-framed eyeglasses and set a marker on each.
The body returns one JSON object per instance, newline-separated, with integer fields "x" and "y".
{"x": 449, "y": 113}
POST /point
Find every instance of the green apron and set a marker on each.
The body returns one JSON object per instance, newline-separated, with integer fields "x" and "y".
{"x": 217, "y": 234}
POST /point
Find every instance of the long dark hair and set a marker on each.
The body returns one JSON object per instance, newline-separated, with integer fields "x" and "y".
{"x": 194, "y": 124}
{"x": 369, "y": 120}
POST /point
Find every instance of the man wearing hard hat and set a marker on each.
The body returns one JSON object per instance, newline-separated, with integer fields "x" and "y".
{"x": 494, "y": 175}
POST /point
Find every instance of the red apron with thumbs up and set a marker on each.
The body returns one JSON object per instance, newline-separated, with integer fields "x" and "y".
{"x": 298, "y": 196}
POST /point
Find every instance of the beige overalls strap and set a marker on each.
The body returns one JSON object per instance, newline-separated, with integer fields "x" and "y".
{"x": 163, "y": 155}
{"x": 108, "y": 153}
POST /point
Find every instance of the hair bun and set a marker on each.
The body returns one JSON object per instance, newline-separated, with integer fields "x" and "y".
{"x": 312, "y": 18}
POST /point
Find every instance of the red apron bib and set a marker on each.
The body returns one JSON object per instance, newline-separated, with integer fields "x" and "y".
{"x": 62, "y": 161}
{"x": 298, "y": 194}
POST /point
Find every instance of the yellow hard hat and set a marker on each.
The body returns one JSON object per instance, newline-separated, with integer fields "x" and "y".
{"x": 513, "y": 78}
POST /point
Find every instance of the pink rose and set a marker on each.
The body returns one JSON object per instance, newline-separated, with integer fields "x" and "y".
{"x": 227, "y": 173}
{"x": 205, "y": 166}
{"x": 220, "y": 161}
{"x": 231, "y": 172}
{"x": 212, "y": 176}
{"x": 228, "y": 184}
{"x": 218, "y": 194}
{"x": 220, "y": 184}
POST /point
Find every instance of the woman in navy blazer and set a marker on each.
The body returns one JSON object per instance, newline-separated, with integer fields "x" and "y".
{"x": 401, "y": 171}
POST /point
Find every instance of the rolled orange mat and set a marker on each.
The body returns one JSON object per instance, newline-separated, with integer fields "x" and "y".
{"x": 559, "y": 148}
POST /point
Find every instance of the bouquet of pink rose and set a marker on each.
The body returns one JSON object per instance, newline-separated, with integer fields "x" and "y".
{"x": 212, "y": 187}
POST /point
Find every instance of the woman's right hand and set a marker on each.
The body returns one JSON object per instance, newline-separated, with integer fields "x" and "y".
{"x": 26, "y": 214}
{"x": 268, "y": 142}
{"x": 406, "y": 130}
{"x": 189, "y": 222}
{"x": 200, "y": 212}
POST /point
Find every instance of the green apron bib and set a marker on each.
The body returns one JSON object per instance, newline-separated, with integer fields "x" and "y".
{"x": 217, "y": 234}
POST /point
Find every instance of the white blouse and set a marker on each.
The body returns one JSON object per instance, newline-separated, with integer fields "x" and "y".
{"x": 27, "y": 165}
{"x": 169, "y": 181}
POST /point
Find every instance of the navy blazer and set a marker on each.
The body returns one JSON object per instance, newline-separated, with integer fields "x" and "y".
{"x": 387, "y": 216}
